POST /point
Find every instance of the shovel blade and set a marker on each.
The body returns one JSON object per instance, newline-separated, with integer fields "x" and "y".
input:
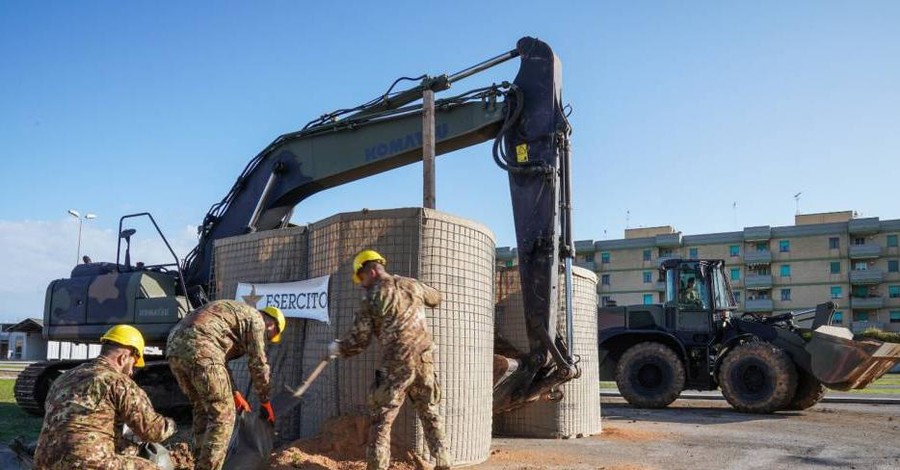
{"x": 841, "y": 363}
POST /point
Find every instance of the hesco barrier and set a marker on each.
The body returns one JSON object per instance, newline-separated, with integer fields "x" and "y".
{"x": 454, "y": 255}
{"x": 578, "y": 413}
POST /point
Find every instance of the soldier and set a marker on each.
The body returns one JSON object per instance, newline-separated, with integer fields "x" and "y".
{"x": 393, "y": 311}
{"x": 199, "y": 348}
{"x": 86, "y": 406}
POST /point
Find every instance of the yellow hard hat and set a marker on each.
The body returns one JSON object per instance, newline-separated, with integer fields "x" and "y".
{"x": 127, "y": 335}
{"x": 362, "y": 258}
{"x": 276, "y": 315}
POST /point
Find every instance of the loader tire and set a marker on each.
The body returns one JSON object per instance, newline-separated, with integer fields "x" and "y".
{"x": 650, "y": 375}
{"x": 809, "y": 391}
{"x": 758, "y": 378}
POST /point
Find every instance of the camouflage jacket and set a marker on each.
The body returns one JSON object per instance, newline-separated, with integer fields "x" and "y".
{"x": 393, "y": 310}
{"x": 221, "y": 331}
{"x": 86, "y": 407}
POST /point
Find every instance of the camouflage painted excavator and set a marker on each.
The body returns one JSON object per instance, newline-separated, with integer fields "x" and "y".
{"x": 524, "y": 118}
{"x": 762, "y": 364}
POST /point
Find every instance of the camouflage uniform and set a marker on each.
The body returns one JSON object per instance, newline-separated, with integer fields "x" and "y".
{"x": 86, "y": 407}
{"x": 198, "y": 349}
{"x": 393, "y": 311}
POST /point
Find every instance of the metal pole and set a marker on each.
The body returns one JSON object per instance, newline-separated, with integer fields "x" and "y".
{"x": 78, "y": 253}
{"x": 428, "y": 199}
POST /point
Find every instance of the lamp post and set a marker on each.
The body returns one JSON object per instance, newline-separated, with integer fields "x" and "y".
{"x": 81, "y": 220}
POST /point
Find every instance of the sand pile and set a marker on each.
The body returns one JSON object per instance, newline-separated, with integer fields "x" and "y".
{"x": 340, "y": 445}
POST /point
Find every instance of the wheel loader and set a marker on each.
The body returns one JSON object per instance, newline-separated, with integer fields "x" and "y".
{"x": 694, "y": 340}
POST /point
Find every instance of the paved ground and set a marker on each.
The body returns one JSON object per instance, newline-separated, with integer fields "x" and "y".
{"x": 702, "y": 434}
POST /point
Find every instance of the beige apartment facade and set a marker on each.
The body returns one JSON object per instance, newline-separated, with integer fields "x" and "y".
{"x": 854, "y": 262}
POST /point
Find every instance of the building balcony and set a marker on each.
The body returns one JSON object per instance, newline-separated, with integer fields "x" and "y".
{"x": 758, "y": 305}
{"x": 867, "y": 277}
{"x": 758, "y": 257}
{"x": 660, "y": 286}
{"x": 867, "y": 251}
{"x": 866, "y": 303}
{"x": 587, "y": 265}
{"x": 860, "y": 326}
{"x": 865, "y": 226}
{"x": 757, "y": 234}
{"x": 758, "y": 281}
{"x": 668, "y": 240}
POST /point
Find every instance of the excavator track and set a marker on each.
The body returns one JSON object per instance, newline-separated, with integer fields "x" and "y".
{"x": 34, "y": 382}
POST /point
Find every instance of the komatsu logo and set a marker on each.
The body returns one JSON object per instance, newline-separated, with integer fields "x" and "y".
{"x": 409, "y": 141}
{"x": 153, "y": 312}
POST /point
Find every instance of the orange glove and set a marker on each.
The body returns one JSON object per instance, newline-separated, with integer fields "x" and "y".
{"x": 240, "y": 403}
{"x": 270, "y": 413}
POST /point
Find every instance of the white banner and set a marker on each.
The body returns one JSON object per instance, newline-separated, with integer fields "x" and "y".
{"x": 300, "y": 299}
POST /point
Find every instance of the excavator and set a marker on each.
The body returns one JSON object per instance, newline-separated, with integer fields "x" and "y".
{"x": 528, "y": 125}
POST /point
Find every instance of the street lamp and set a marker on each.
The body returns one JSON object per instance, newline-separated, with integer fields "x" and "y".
{"x": 81, "y": 220}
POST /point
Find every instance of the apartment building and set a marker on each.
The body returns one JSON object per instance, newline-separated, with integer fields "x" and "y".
{"x": 854, "y": 262}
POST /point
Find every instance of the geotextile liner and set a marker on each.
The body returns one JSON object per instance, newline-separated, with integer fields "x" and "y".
{"x": 578, "y": 413}
{"x": 453, "y": 255}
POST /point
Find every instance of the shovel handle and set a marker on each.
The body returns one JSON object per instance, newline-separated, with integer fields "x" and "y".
{"x": 312, "y": 377}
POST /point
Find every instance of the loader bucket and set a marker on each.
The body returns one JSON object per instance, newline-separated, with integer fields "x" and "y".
{"x": 841, "y": 363}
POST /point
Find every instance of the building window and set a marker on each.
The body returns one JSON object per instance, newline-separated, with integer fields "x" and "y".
{"x": 604, "y": 279}
{"x": 837, "y": 318}
{"x": 785, "y": 270}
{"x": 834, "y": 243}
{"x": 604, "y": 257}
{"x": 860, "y": 316}
{"x": 734, "y": 250}
{"x": 785, "y": 294}
{"x": 589, "y": 258}
{"x": 648, "y": 299}
{"x": 860, "y": 266}
{"x": 835, "y": 267}
{"x": 663, "y": 252}
{"x": 893, "y": 266}
{"x": 648, "y": 277}
{"x": 836, "y": 292}
{"x": 894, "y": 292}
{"x": 892, "y": 241}
{"x": 692, "y": 253}
{"x": 605, "y": 300}
{"x": 646, "y": 255}
{"x": 735, "y": 274}
{"x": 762, "y": 247}
{"x": 895, "y": 316}
{"x": 784, "y": 246}
{"x": 737, "y": 296}
{"x": 859, "y": 241}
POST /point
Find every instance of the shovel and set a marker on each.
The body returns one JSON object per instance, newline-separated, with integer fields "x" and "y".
{"x": 253, "y": 438}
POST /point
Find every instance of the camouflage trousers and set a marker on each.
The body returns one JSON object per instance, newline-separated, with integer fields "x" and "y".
{"x": 208, "y": 386}
{"x": 419, "y": 382}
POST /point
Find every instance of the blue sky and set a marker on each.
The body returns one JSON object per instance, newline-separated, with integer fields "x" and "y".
{"x": 681, "y": 109}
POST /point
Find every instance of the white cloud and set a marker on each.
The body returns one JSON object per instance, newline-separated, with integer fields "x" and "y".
{"x": 37, "y": 252}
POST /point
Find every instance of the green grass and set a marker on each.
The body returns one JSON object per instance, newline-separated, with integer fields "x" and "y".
{"x": 13, "y": 421}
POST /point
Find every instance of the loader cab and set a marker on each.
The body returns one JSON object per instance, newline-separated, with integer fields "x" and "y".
{"x": 697, "y": 285}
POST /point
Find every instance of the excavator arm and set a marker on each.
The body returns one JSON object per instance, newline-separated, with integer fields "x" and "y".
{"x": 530, "y": 132}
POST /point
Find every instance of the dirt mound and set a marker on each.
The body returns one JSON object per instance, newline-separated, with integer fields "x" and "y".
{"x": 631, "y": 435}
{"x": 544, "y": 457}
{"x": 340, "y": 445}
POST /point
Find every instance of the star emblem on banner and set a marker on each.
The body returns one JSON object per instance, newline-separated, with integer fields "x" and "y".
{"x": 252, "y": 299}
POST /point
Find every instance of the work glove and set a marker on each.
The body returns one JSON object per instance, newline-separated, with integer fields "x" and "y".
{"x": 269, "y": 412}
{"x": 240, "y": 403}
{"x": 334, "y": 349}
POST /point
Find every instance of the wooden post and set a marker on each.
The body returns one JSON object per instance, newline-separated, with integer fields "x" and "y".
{"x": 428, "y": 149}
